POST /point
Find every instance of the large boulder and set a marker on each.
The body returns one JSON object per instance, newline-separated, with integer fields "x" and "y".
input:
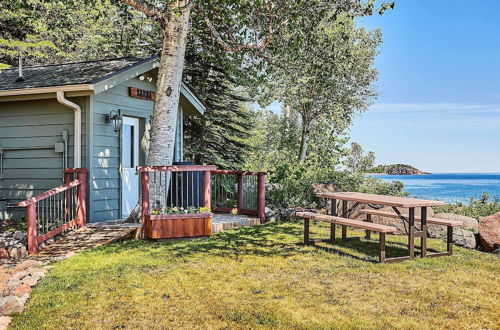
{"x": 489, "y": 232}
{"x": 464, "y": 235}
{"x": 318, "y": 188}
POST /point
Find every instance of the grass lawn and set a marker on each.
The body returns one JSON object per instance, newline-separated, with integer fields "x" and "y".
{"x": 262, "y": 277}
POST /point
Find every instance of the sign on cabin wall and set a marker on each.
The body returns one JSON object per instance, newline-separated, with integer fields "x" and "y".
{"x": 141, "y": 94}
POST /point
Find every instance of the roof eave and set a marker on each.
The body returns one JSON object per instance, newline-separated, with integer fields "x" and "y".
{"x": 44, "y": 90}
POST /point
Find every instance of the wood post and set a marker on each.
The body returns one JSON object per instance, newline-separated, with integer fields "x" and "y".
{"x": 423, "y": 228}
{"x": 144, "y": 201}
{"x": 207, "y": 189}
{"x": 306, "y": 231}
{"x": 333, "y": 227}
{"x": 32, "y": 230}
{"x": 344, "y": 214}
{"x": 239, "y": 192}
{"x": 449, "y": 240}
{"x": 82, "y": 197}
{"x": 381, "y": 238}
{"x": 67, "y": 197}
{"x": 368, "y": 234}
{"x": 261, "y": 196}
{"x": 411, "y": 232}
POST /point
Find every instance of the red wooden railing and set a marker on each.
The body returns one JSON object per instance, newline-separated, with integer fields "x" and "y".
{"x": 54, "y": 211}
{"x": 241, "y": 190}
{"x": 162, "y": 185}
{"x": 158, "y": 187}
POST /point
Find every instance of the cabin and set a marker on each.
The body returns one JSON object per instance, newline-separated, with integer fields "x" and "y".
{"x": 94, "y": 115}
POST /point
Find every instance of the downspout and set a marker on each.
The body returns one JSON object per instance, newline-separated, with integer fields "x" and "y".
{"x": 78, "y": 127}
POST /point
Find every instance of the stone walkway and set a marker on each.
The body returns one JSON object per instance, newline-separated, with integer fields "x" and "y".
{"x": 222, "y": 222}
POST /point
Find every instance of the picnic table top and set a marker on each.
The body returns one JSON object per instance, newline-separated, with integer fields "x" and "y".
{"x": 381, "y": 199}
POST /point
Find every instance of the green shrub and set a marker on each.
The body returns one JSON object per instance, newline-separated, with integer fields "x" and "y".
{"x": 475, "y": 208}
{"x": 292, "y": 185}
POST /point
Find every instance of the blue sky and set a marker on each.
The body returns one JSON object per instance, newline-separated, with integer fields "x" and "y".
{"x": 439, "y": 87}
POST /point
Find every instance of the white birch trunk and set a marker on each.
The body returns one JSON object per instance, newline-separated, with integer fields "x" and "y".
{"x": 168, "y": 88}
{"x": 166, "y": 107}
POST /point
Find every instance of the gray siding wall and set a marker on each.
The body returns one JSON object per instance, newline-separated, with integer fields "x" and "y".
{"x": 25, "y": 126}
{"x": 106, "y": 180}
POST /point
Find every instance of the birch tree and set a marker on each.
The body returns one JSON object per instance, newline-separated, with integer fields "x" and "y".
{"x": 238, "y": 26}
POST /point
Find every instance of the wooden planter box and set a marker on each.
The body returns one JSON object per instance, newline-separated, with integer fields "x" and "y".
{"x": 178, "y": 225}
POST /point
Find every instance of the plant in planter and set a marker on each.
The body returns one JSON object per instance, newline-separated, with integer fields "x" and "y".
{"x": 178, "y": 222}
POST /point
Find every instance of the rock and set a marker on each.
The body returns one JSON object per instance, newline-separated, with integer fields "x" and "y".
{"x": 324, "y": 187}
{"x": 401, "y": 227}
{"x": 270, "y": 215}
{"x": 4, "y": 322}
{"x": 469, "y": 223}
{"x": 489, "y": 232}
{"x": 22, "y": 290}
{"x": 25, "y": 265}
{"x": 17, "y": 251}
{"x": 20, "y": 236}
{"x": 285, "y": 214}
{"x": 30, "y": 280}
{"x": 12, "y": 284}
{"x": 4, "y": 253}
{"x": 464, "y": 235}
{"x": 13, "y": 306}
{"x": 20, "y": 275}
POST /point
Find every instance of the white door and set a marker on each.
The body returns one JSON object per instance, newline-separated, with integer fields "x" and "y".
{"x": 130, "y": 159}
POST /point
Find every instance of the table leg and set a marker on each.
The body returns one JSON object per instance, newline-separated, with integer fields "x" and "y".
{"x": 344, "y": 213}
{"x": 333, "y": 212}
{"x": 368, "y": 234}
{"x": 423, "y": 238}
{"x": 411, "y": 232}
{"x": 306, "y": 231}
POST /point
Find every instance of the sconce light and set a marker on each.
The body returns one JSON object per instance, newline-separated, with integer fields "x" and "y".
{"x": 115, "y": 118}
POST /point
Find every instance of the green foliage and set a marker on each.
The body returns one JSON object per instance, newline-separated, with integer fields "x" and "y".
{"x": 389, "y": 168}
{"x": 293, "y": 186}
{"x": 43, "y": 31}
{"x": 356, "y": 160}
{"x": 180, "y": 210}
{"x": 475, "y": 208}
{"x": 220, "y": 136}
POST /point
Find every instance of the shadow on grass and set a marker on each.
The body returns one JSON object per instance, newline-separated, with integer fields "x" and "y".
{"x": 272, "y": 239}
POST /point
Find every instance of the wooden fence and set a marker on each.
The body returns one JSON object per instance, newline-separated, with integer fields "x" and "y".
{"x": 54, "y": 211}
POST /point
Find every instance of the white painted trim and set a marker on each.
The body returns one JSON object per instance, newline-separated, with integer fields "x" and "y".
{"x": 119, "y": 78}
{"x": 52, "y": 89}
{"x": 193, "y": 99}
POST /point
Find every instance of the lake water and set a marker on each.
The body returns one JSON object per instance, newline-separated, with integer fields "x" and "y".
{"x": 448, "y": 187}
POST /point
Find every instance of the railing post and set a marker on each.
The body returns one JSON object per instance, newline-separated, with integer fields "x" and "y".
{"x": 32, "y": 230}
{"x": 261, "y": 196}
{"x": 239, "y": 192}
{"x": 144, "y": 201}
{"x": 207, "y": 189}
{"x": 67, "y": 196}
{"x": 82, "y": 197}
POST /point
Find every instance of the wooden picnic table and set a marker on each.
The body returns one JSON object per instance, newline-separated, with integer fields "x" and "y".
{"x": 394, "y": 202}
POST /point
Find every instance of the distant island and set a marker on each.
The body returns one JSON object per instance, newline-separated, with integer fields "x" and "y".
{"x": 396, "y": 169}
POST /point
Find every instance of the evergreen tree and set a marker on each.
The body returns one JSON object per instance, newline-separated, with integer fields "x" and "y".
{"x": 219, "y": 137}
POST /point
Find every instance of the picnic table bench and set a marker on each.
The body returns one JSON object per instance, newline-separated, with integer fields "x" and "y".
{"x": 342, "y": 218}
{"x": 381, "y": 229}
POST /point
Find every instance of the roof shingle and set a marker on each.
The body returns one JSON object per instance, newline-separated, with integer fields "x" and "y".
{"x": 68, "y": 73}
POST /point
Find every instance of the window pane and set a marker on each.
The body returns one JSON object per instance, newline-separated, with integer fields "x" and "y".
{"x": 128, "y": 146}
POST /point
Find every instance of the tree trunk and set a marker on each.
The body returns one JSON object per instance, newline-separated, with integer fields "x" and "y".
{"x": 304, "y": 139}
{"x": 166, "y": 107}
{"x": 168, "y": 88}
